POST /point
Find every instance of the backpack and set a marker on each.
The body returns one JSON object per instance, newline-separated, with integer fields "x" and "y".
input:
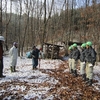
{"x": 29, "y": 55}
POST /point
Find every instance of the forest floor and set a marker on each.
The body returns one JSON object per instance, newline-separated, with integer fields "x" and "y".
{"x": 52, "y": 81}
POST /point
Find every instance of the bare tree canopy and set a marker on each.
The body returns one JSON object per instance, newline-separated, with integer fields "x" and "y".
{"x": 33, "y": 22}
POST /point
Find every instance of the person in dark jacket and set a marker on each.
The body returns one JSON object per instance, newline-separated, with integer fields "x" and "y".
{"x": 82, "y": 61}
{"x": 75, "y": 57}
{"x": 90, "y": 58}
{"x": 1, "y": 56}
{"x": 35, "y": 57}
{"x": 70, "y": 59}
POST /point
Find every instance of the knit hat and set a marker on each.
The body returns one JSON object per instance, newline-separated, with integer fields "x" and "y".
{"x": 15, "y": 43}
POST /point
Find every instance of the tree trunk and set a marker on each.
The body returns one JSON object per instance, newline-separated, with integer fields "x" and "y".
{"x": 0, "y": 17}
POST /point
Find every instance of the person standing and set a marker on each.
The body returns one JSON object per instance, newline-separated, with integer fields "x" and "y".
{"x": 35, "y": 57}
{"x": 41, "y": 54}
{"x": 14, "y": 54}
{"x": 70, "y": 59}
{"x": 82, "y": 62}
{"x": 75, "y": 57}
{"x": 90, "y": 58}
{"x": 1, "y": 56}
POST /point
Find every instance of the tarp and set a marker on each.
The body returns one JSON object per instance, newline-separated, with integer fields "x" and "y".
{"x": 65, "y": 58}
{"x": 28, "y": 54}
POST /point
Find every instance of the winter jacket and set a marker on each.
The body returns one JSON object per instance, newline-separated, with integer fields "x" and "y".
{"x": 75, "y": 54}
{"x": 1, "y": 51}
{"x": 13, "y": 53}
{"x": 90, "y": 55}
{"x": 82, "y": 55}
{"x": 70, "y": 55}
{"x": 41, "y": 54}
{"x": 35, "y": 53}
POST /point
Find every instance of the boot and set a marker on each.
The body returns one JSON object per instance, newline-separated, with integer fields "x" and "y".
{"x": 11, "y": 68}
{"x": 71, "y": 70}
{"x": 90, "y": 82}
{"x": 87, "y": 80}
{"x": 84, "y": 77}
{"x": 2, "y": 76}
{"x": 14, "y": 69}
{"x": 75, "y": 73}
{"x": 33, "y": 68}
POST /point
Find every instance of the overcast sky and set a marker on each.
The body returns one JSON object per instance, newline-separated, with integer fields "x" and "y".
{"x": 15, "y": 4}
{"x": 58, "y": 4}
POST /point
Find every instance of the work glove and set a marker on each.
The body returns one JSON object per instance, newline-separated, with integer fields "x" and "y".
{"x": 90, "y": 65}
{"x": 33, "y": 56}
{"x": 83, "y": 62}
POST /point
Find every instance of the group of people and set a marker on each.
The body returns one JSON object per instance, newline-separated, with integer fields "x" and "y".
{"x": 36, "y": 54}
{"x": 87, "y": 57}
{"x": 13, "y": 52}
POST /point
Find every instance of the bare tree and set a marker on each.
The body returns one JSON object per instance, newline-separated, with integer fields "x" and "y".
{"x": 32, "y": 4}
{"x": 8, "y": 19}
{"x": 19, "y": 29}
{"x": 0, "y": 17}
{"x": 26, "y": 2}
{"x": 46, "y": 19}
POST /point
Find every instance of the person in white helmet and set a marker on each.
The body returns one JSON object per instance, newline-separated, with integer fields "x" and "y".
{"x": 1, "y": 56}
{"x": 14, "y": 54}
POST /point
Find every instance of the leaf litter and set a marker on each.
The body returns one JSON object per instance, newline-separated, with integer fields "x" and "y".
{"x": 51, "y": 82}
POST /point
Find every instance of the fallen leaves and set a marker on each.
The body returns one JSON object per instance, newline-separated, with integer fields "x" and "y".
{"x": 60, "y": 83}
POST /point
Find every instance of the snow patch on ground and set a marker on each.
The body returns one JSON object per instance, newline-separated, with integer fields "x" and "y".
{"x": 34, "y": 79}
